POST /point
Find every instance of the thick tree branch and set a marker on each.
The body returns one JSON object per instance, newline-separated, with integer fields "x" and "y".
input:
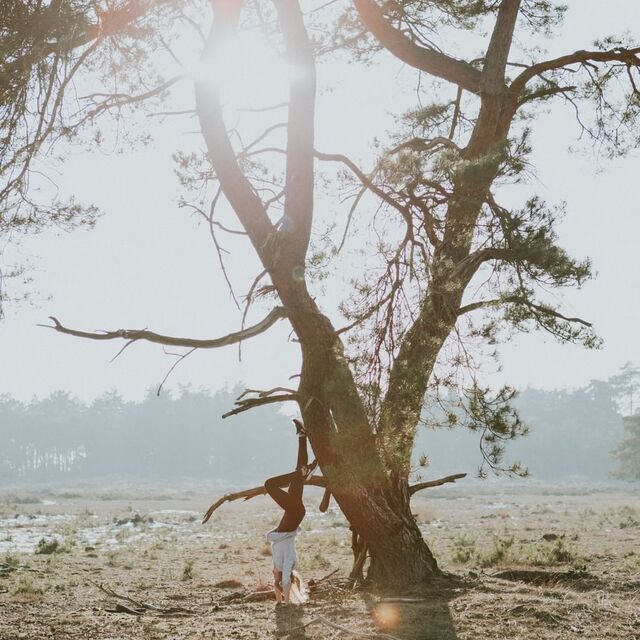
{"x": 619, "y": 54}
{"x": 316, "y": 481}
{"x": 299, "y": 181}
{"x": 545, "y": 93}
{"x": 235, "y": 185}
{"x": 430, "y": 61}
{"x": 497, "y": 54}
{"x": 483, "y": 304}
{"x": 149, "y": 336}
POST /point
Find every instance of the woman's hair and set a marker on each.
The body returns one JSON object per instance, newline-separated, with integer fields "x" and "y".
{"x": 298, "y": 593}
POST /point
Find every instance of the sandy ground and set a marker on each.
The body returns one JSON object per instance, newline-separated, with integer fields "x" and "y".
{"x": 529, "y": 562}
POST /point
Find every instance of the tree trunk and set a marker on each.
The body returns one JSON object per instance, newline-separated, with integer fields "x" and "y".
{"x": 399, "y": 554}
{"x": 374, "y": 499}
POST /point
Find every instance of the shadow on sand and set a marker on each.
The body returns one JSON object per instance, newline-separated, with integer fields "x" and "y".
{"x": 420, "y": 615}
{"x": 288, "y": 622}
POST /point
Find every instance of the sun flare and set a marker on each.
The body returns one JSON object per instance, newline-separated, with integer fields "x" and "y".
{"x": 247, "y": 72}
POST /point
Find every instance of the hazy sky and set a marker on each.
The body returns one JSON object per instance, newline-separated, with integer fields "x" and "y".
{"x": 149, "y": 264}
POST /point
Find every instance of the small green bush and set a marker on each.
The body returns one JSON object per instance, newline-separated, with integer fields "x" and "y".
{"x": 464, "y": 549}
{"x": 548, "y": 555}
{"x": 500, "y": 553}
{"x": 187, "y": 571}
{"x": 26, "y": 584}
{"x": 47, "y": 547}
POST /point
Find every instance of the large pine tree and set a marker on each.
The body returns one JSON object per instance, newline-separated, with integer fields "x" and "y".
{"x": 362, "y": 386}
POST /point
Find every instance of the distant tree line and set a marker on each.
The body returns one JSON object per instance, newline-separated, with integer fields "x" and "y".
{"x": 580, "y": 434}
{"x": 589, "y": 433}
{"x": 161, "y": 438}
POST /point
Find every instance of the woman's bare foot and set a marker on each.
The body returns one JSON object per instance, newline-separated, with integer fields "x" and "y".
{"x": 300, "y": 432}
{"x": 307, "y": 470}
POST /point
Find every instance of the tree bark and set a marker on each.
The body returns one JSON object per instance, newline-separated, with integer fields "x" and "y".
{"x": 383, "y": 519}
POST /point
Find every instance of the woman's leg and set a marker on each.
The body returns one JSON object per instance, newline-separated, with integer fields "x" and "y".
{"x": 273, "y": 487}
{"x": 303, "y": 455}
{"x": 290, "y": 501}
{"x": 295, "y": 481}
{"x": 277, "y": 587}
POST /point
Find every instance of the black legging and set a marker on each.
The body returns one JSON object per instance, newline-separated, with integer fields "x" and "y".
{"x": 291, "y": 502}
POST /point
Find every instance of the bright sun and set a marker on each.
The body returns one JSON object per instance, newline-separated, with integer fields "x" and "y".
{"x": 248, "y": 71}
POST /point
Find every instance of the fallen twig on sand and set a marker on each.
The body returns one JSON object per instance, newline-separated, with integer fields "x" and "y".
{"x": 316, "y": 582}
{"x": 258, "y": 596}
{"x": 333, "y": 625}
{"x": 140, "y": 607}
{"x": 121, "y": 608}
{"x": 404, "y": 600}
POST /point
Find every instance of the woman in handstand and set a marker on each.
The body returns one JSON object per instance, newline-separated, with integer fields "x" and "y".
{"x": 283, "y": 537}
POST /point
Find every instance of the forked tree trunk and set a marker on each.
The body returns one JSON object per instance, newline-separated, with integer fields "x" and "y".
{"x": 366, "y": 471}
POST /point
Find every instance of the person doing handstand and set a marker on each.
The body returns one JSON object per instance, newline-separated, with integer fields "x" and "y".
{"x": 283, "y": 537}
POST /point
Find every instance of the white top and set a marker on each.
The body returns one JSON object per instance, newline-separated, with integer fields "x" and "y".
{"x": 283, "y": 550}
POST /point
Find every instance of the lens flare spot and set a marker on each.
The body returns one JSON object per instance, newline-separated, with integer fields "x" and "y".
{"x": 386, "y": 615}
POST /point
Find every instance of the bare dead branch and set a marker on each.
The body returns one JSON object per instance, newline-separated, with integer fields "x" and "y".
{"x": 366, "y": 181}
{"x": 456, "y": 113}
{"x": 263, "y": 109}
{"x": 252, "y": 403}
{"x": 149, "y": 336}
{"x": 247, "y": 303}
{"x": 219, "y": 250}
{"x": 365, "y": 316}
{"x": 414, "y": 488}
{"x": 352, "y": 210}
{"x": 117, "y": 100}
{"x": 180, "y": 357}
{"x": 264, "y": 394}
{"x": 161, "y": 114}
{"x": 546, "y": 93}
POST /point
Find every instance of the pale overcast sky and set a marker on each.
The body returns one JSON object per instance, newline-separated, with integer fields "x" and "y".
{"x": 148, "y": 264}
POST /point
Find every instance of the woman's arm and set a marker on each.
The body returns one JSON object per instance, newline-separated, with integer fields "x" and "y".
{"x": 277, "y": 577}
